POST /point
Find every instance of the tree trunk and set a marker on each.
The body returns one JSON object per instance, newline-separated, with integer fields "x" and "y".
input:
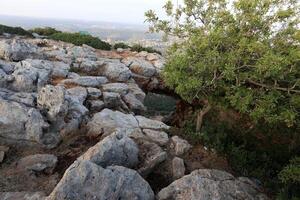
{"x": 200, "y": 116}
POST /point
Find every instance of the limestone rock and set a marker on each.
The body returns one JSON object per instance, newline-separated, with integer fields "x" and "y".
{"x": 86, "y": 180}
{"x": 120, "y": 88}
{"x": 159, "y": 137}
{"x": 93, "y": 93}
{"x": 151, "y": 124}
{"x": 178, "y": 168}
{"x": 140, "y": 66}
{"x": 151, "y": 155}
{"x": 115, "y": 149}
{"x": 108, "y": 121}
{"x": 134, "y": 104}
{"x": 179, "y": 145}
{"x": 86, "y": 81}
{"x": 22, "y": 196}
{"x": 116, "y": 72}
{"x": 96, "y": 105}
{"x": 210, "y": 184}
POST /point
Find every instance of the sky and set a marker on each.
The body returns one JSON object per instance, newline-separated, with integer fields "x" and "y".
{"x": 123, "y": 11}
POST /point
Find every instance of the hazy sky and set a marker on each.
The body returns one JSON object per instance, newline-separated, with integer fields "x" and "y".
{"x": 127, "y": 11}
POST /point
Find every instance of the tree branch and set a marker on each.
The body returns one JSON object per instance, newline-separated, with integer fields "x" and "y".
{"x": 272, "y": 87}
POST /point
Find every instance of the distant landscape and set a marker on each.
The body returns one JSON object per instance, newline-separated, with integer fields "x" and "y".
{"x": 108, "y": 31}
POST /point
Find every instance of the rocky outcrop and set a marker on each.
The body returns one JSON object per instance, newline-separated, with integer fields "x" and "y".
{"x": 53, "y": 92}
{"x": 211, "y": 184}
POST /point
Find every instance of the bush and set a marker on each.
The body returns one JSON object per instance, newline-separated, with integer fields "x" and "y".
{"x": 259, "y": 152}
{"x": 14, "y": 30}
{"x": 47, "y": 31}
{"x": 80, "y": 39}
{"x": 139, "y": 48}
{"x": 121, "y": 45}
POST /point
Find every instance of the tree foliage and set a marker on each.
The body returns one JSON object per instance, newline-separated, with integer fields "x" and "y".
{"x": 14, "y": 30}
{"x": 240, "y": 54}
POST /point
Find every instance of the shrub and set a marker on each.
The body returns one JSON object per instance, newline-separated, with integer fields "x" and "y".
{"x": 14, "y": 30}
{"x": 121, "y": 45}
{"x": 80, "y": 39}
{"x": 47, "y": 31}
{"x": 139, "y": 48}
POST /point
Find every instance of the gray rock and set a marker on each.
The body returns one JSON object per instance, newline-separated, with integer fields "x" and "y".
{"x": 93, "y": 93}
{"x": 7, "y": 67}
{"x": 178, "y": 168}
{"x": 140, "y": 66}
{"x": 137, "y": 91}
{"x": 17, "y": 50}
{"x": 115, "y": 149}
{"x": 22, "y": 196}
{"x": 151, "y": 124}
{"x": 27, "y": 99}
{"x": 2, "y": 154}
{"x": 114, "y": 100}
{"x": 108, "y": 121}
{"x": 179, "y": 145}
{"x": 52, "y": 99}
{"x": 120, "y": 88}
{"x": 159, "y": 137}
{"x": 210, "y": 184}
{"x": 116, "y": 72}
{"x": 86, "y": 180}
{"x": 78, "y": 93}
{"x": 151, "y": 155}
{"x": 82, "y": 52}
{"x": 60, "y": 70}
{"x": 96, "y": 105}
{"x": 133, "y": 103}
{"x": 38, "y": 163}
{"x": 86, "y": 81}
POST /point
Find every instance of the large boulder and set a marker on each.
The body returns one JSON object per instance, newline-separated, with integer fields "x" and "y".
{"x": 108, "y": 121}
{"x": 211, "y": 184}
{"x": 86, "y": 180}
{"x": 115, "y": 149}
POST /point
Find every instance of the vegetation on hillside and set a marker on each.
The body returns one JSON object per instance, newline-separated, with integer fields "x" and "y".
{"x": 14, "y": 30}
{"x": 46, "y": 31}
{"x": 136, "y": 47}
{"x": 245, "y": 56}
{"x": 80, "y": 39}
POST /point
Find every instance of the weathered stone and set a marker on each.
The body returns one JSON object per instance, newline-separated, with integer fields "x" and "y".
{"x": 140, "y": 66}
{"x": 178, "y": 168}
{"x": 27, "y": 99}
{"x": 116, "y": 72}
{"x": 179, "y": 145}
{"x": 150, "y": 156}
{"x": 114, "y": 100}
{"x": 120, "y": 88}
{"x": 86, "y": 81}
{"x": 159, "y": 137}
{"x": 93, "y": 93}
{"x": 96, "y": 105}
{"x": 210, "y": 184}
{"x": 22, "y": 196}
{"x": 78, "y": 93}
{"x": 115, "y": 149}
{"x": 52, "y": 99}
{"x": 38, "y": 163}
{"x": 2, "y": 154}
{"x": 108, "y": 121}
{"x": 86, "y": 180}
{"x": 151, "y": 124}
{"x": 17, "y": 50}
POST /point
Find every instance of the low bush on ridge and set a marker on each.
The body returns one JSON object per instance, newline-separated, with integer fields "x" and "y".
{"x": 14, "y": 30}
{"x": 80, "y": 39}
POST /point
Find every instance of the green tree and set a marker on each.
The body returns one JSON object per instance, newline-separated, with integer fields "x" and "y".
{"x": 242, "y": 54}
